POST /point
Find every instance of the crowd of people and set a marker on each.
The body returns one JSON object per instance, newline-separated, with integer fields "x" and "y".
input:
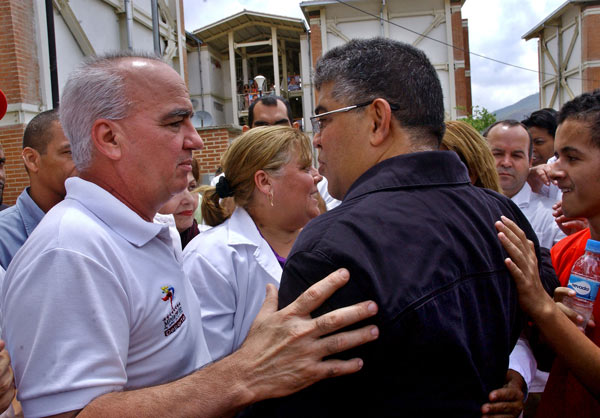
{"x": 421, "y": 271}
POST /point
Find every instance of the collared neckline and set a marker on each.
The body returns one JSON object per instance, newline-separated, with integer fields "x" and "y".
{"x": 31, "y": 214}
{"x": 242, "y": 230}
{"x": 114, "y": 213}
{"x": 419, "y": 169}
{"x": 523, "y": 197}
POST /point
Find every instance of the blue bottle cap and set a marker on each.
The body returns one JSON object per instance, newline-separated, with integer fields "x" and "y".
{"x": 593, "y": 246}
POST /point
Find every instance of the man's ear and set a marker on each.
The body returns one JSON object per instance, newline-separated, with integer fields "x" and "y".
{"x": 31, "y": 158}
{"x": 296, "y": 125}
{"x": 245, "y": 128}
{"x": 107, "y": 136}
{"x": 263, "y": 182}
{"x": 381, "y": 117}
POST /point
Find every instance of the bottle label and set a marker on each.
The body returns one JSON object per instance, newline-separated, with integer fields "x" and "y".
{"x": 585, "y": 288}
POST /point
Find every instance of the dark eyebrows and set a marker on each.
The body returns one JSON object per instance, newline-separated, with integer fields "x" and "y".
{"x": 258, "y": 123}
{"x": 178, "y": 113}
{"x": 320, "y": 109}
{"x": 65, "y": 147}
{"x": 569, "y": 149}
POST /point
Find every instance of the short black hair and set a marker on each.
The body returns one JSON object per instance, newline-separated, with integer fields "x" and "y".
{"x": 511, "y": 123}
{"x": 585, "y": 107}
{"x": 37, "y": 134}
{"x": 367, "y": 69}
{"x": 269, "y": 101}
{"x": 544, "y": 118}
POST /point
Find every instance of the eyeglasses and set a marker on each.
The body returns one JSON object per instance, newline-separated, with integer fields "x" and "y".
{"x": 317, "y": 122}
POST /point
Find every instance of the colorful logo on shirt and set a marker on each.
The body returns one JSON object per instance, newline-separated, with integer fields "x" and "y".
{"x": 176, "y": 317}
{"x": 169, "y": 292}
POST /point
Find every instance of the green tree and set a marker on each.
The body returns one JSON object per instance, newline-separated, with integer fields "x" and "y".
{"x": 480, "y": 119}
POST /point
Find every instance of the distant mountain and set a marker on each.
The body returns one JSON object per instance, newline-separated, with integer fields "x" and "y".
{"x": 519, "y": 110}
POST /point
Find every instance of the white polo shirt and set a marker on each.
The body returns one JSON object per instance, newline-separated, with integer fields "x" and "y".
{"x": 96, "y": 301}
{"x": 538, "y": 211}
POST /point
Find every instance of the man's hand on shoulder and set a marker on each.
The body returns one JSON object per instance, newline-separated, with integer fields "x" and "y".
{"x": 284, "y": 350}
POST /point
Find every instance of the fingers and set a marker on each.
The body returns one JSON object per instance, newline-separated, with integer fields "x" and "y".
{"x": 560, "y": 296}
{"x": 270, "y": 304}
{"x": 342, "y": 317}
{"x": 562, "y": 292}
{"x": 7, "y": 386}
{"x": 515, "y": 242}
{"x": 573, "y": 316}
{"x": 332, "y": 368}
{"x": 346, "y": 340}
{"x": 505, "y": 402}
{"x": 315, "y": 295}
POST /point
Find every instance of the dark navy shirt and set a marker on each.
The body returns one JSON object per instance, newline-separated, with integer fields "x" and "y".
{"x": 419, "y": 240}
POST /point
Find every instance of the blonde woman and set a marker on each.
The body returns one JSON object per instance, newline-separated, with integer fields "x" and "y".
{"x": 269, "y": 173}
{"x": 474, "y": 152}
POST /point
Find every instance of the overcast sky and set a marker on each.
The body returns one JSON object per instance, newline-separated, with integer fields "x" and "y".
{"x": 495, "y": 30}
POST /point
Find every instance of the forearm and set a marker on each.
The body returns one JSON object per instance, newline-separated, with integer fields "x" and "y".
{"x": 579, "y": 353}
{"x": 218, "y": 390}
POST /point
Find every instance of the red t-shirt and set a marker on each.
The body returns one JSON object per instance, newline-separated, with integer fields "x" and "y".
{"x": 564, "y": 396}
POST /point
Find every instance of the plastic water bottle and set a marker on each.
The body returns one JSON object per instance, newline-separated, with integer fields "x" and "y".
{"x": 585, "y": 281}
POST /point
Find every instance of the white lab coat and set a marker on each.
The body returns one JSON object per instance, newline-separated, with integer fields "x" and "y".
{"x": 229, "y": 267}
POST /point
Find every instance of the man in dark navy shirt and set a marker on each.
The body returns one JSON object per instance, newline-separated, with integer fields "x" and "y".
{"x": 416, "y": 236}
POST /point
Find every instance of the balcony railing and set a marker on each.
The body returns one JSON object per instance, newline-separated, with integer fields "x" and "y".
{"x": 246, "y": 99}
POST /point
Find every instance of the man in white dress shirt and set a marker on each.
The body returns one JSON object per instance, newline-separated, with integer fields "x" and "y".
{"x": 512, "y": 147}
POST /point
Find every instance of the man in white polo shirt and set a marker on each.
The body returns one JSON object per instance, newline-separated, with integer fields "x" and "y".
{"x": 98, "y": 314}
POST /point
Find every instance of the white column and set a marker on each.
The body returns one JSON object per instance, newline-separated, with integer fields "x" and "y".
{"x": 323, "y": 32}
{"x": 284, "y": 64}
{"x": 451, "y": 79}
{"x": 275, "y": 60}
{"x": 234, "y": 105}
{"x": 244, "y": 66}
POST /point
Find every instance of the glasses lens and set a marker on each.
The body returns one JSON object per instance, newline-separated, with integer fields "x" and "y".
{"x": 316, "y": 125}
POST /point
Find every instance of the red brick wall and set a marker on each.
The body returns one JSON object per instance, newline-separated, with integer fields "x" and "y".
{"x": 459, "y": 73}
{"x": 467, "y": 66}
{"x": 216, "y": 140}
{"x": 16, "y": 178}
{"x": 590, "y": 49}
{"x": 19, "y": 80}
{"x": 315, "y": 37}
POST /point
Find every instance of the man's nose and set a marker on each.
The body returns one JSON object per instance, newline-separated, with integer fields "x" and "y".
{"x": 556, "y": 170}
{"x": 316, "y": 176}
{"x": 506, "y": 161}
{"x": 192, "y": 138}
{"x": 317, "y": 140}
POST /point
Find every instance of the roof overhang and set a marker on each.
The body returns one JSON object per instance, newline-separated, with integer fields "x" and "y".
{"x": 552, "y": 17}
{"x": 249, "y": 26}
{"x": 310, "y": 5}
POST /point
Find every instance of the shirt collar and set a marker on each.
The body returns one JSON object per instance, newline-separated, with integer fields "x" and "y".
{"x": 242, "y": 229}
{"x": 419, "y": 169}
{"x": 523, "y": 197}
{"x": 114, "y": 213}
{"x": 31, "y": 214}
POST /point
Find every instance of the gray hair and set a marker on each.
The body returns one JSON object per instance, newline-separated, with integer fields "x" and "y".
{"x": 367, "y": 69}
{"x": 95, "y": 90}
